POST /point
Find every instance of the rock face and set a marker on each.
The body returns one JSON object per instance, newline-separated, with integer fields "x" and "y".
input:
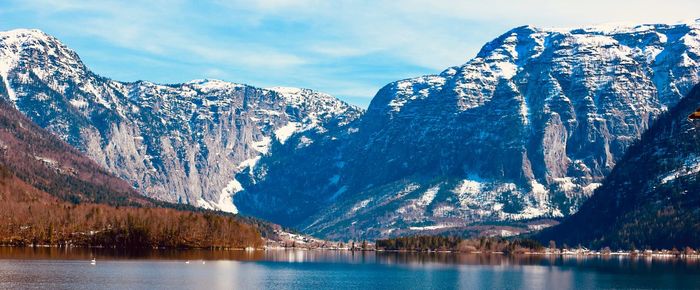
{"x": 178, "y": 143}
{"x": 35, "y": 162}
{"x": 650, "y": 200}
{"x": 525, "y": 130}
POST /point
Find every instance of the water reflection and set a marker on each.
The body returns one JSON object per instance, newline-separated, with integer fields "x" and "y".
{"x": 408, "y": 259}
{"x": 293, "y": 269}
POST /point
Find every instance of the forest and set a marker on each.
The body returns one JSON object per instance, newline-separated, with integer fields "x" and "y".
{"x": 50, "y": 194}
{"x": 29, "y": 216}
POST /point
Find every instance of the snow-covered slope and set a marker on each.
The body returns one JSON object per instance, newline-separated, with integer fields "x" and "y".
{"x": 175, "y": 142}
{"x": 525, "y": 130}
{"x": 650, "y": 199}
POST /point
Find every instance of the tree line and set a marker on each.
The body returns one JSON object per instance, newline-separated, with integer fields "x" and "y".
{"x": 29, "y": 216}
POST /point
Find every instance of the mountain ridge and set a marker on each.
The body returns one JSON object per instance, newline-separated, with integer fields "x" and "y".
{"x": 520, "y": 134}
{"x": 180, "y": 143}
{"x": 526, "y": 130}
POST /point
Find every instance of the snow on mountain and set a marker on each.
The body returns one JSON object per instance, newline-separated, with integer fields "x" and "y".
{"x": 525, "y": 130}
{"x": 175, "y": 142}
{"x": 650, "y": 199}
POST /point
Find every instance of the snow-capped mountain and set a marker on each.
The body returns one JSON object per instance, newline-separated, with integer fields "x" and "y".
{"x": 525, "y": 130}
{"x": 174, "y": 142}
{"x": 650, "y": 199}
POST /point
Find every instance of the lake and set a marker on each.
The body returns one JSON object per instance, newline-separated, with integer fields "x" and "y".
{"x": 52, "y": 268}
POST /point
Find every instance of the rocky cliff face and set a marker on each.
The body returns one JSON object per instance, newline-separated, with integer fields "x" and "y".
{"x": 650, "y": 199}
{"x": 525, "y": 130}
{"x": 36, "y": 166}
{"x": 178, "y": 143}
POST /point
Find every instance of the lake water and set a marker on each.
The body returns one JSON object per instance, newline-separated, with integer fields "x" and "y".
{"x": 42, "y": 268}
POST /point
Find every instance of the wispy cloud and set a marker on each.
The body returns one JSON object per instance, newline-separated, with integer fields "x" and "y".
{"x": 347, "y": 48}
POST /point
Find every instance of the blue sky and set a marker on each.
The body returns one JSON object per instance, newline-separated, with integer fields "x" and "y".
{"x": 349, "y": 49}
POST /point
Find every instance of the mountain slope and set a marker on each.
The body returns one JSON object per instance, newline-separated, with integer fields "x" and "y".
{"x": 50, "y": 194}
{"x": 49, "y": 164}
{"x": 178, "y": 143}
{"x": 651, "y": 199}
{"x": 525, "y": 130}
{"x": 30, "y": 216}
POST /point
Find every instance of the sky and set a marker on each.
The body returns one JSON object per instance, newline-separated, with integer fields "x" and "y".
{"x": 349, "y": 49}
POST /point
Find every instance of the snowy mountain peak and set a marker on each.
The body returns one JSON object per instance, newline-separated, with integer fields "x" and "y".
{"x": 527, "y": 129}
{"x": 527, "y": 46}
{"x": 207, "y": 85}
{"x": 296, "y": 95}
{"x": 287, "y": 90}
{"x": 23, "y": 35}
{"x": 33, "y": 50}
{"x": 17, "y": 43}
{"x": 326, "y": 105}
{"x": 176, "y": 142}
{"x": 611, "y": 28}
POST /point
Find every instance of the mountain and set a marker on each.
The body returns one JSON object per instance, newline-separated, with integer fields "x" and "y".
{"x": 651, "y": 197}
{"x": 53, "y": 195}
{"x": 50, "y": 165}
{"x": 522, "y": 133}
{"x": 180, "y": 143}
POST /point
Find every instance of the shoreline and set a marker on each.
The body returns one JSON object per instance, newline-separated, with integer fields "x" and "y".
{"x": 665, "y": 254}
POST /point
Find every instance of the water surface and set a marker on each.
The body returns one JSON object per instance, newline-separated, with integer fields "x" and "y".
{"x": 51, "y": 268}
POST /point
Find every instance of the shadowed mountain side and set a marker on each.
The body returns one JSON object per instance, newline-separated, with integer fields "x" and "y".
{"x": 651, "y": 199}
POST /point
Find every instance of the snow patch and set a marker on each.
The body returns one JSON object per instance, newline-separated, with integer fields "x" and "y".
{"x": 588, "y": 189}
{"x": 287, "y": 91}
{"x": 428, "y": 197}
{"x": 360, "y": 205}
{"x": 565, "y": 183}
{"x": 78, "y": 103}
{"x": 507, "y": 69}
{"x": 468, "y": 187}
{"x": 443, "y": 210}
{"x": 538, "y": 188}
{"x": 396, "y": 104}
{"x": 226, "y": 197}
{"x": 304, "y": 141}
{"x": 45, "y": 160}
{"x": 249, "y": 163}
{"x": 204, "y": 204}
{"x": 209, "y": 85}
{"x": 537, "y": 227}
{"x": 507, "y": 233}
{"x": 283, "y": 133}
{"x": 262, "y": 146}
{"x": 524, "y": 112}
{"x": 691, "y": 165}
{"x": 408, "y": 189}
{"x": 430, "y": 228}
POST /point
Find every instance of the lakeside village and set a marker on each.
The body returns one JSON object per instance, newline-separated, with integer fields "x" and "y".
{"x": 483, "y": 245}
